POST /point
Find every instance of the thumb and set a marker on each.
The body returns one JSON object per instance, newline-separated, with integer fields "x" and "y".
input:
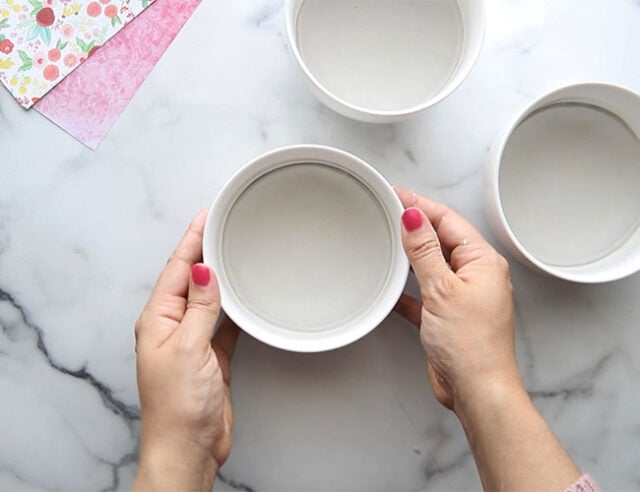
{"x": 203, "y": 304}
{"x": 423, "y": 249}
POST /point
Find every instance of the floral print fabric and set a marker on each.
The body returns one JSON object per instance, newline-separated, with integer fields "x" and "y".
{"x": 88, "y": 102}
{"x": 42, "y": 41}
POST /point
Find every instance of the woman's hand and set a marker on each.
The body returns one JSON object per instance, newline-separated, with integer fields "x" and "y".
{"x": 466, "y": 311}
{"x": 466, "y": 327}
{"x": 183, "y": 374}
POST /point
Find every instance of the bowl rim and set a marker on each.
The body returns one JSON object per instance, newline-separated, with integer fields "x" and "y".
{"x": 266, "y": 331}
{"x": 439, "y": 96}
{"x": 493, "y": 184}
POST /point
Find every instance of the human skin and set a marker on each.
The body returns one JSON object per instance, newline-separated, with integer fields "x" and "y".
{"x": 465, "y": 316}
{"x": 466, "y": 322}
{"x": 183, "y": 374}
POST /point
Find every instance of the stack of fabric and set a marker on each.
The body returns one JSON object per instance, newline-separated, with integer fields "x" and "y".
{"x": 79, "y": 62}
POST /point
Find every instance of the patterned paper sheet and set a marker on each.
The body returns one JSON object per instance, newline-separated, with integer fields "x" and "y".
{"x": 88, "y": 102}
{"x": 42, "y": 41}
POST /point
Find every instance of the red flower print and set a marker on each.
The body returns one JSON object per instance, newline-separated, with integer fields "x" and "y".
{"x": 54, "y": 54}
{"x": 94, "y": 9}
{"x": 6, "y": 46}
{"x": 111, "y": 11}
{"x": 51, "y": 72}
{"x": 70, "y": 59}
{"x": 104, "y": 2}
{"x": 45, "y": 17}
{"x": 39, "y": 59}
{"x": 66, "y": 30}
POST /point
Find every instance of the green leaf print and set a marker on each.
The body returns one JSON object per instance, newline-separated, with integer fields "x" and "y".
{"x": 36, "y": 4}
{"x": 25, "y": 23}
{"x": 27, "y": 63}
{"x": 23, "y": 56}
{"x": 33, "y": 32}
{"x": 4, "y": 22}
{"x": 85, "y": 47}
{"x": 45, "y": 35}
{"x": 36, "y": 31}
{"x": 61, "y": 45}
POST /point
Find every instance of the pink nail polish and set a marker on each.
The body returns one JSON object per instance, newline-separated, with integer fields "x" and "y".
{"x": 200, "y": 275}
{"x": 412, "y": 219}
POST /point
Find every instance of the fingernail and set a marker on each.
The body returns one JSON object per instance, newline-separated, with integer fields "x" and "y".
{"x": 200, "y": 274}
{"x": 412, "y": 219}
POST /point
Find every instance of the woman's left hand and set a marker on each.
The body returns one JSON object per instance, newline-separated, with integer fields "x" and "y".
{"x": 183, "y": 374}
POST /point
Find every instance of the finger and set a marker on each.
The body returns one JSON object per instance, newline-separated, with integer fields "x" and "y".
{"x": 166, "y": 305}
{"x": 410, "y": 309}
{"x": 203, "y": 307}
{"x": 460, "y": 241}
{"x": 224, "y": 344}
{"x": 452, "y": 228}
{"x": 407, "y": 196}
{"x": 433, "y": 210}
{"x": 423, "y": 249}
{"x": 174, "y": 279}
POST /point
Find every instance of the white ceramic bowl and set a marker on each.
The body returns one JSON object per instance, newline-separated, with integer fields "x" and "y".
{"x": 306, "y": 244}
{"x": 562, "y": 183}
{"x": 383, "y": 61}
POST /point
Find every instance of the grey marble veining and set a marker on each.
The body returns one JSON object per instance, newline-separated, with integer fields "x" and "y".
{"x": 83, "y": 235}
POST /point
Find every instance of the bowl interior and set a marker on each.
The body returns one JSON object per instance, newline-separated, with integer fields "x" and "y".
{"x": 306, "y": 253}
{"x": 568, "y": 184}
{"x": 387, "y": 56}
{"x": 307, "y": 247}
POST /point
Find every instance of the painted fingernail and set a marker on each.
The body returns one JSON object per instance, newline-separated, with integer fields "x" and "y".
{"x": 200, "y": 275}
{"x": 412, "y": 219}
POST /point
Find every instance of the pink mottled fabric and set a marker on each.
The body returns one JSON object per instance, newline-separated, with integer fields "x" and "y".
{"x": 88, "y": 102}
{"x": 584, "y": 484}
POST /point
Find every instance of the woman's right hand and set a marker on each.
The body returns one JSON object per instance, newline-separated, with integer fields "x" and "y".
{"x": 467, "y": 330}
{"x": 465, "y": 315}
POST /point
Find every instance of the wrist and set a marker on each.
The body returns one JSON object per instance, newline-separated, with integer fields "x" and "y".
{"x": 490, "y": 397}
{"x": 165, "y": 466}
{"x": 512, "y": 445}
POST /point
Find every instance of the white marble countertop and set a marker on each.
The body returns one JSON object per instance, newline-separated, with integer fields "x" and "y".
{"x": 83, "y": 235}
